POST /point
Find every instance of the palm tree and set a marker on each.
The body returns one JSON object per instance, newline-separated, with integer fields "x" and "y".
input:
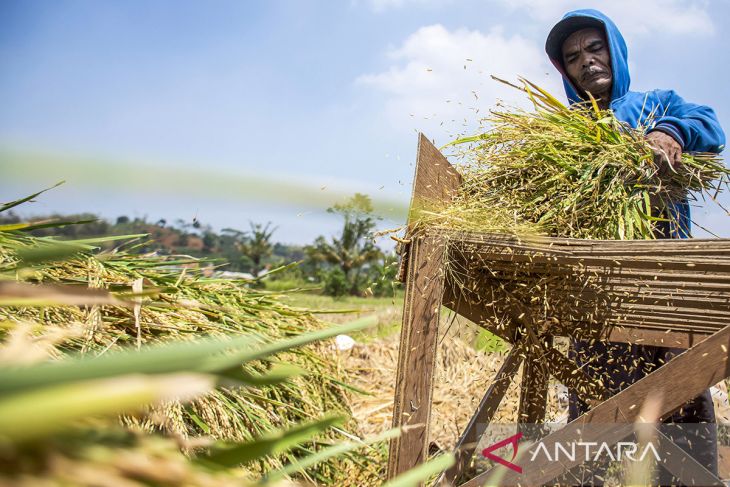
{"x": 353, "y": 250}
{"x": 255, "y": 244}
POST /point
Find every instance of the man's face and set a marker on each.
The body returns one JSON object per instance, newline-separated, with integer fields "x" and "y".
{"x": 587, "y": 62}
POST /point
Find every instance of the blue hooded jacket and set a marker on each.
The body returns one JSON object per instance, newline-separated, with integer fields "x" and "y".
{"x": 695, "y": 127}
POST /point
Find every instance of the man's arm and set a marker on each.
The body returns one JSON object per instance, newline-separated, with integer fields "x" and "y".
{"x": 694, "y": 127}
{"x": 683, "y": 127}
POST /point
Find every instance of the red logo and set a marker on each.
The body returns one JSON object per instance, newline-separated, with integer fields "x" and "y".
{"x": 487, "y": 452}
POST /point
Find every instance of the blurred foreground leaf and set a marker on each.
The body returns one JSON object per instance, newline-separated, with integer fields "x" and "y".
{"x": 206, "y": 356}
{"x": 41, "y": 412}
{"x": 271, "y": 443}
{"x": 416, "y": 476}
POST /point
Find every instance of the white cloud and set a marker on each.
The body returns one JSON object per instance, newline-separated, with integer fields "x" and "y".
{"x": 634, "y": 18}
{"x": 438, "y": 75}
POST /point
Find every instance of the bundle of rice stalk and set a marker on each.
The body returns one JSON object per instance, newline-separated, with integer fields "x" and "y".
{"x": 69, "y": 402}
{"x": 173, "y": 300}
{"x": 569, "y": 171}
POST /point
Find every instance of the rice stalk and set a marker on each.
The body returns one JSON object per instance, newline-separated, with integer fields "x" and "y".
{"x": 177, "y": 302}
{"x": 568, "y": 172}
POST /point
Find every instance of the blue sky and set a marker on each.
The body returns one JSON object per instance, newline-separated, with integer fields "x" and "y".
{"x": 230, "y": 111}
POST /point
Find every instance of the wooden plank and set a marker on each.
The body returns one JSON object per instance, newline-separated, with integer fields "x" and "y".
{"x": 709, "y": 364}
{"x": 435, "y": 180}
{"x": 684, "y": 279}
{"x": 534, "y": 388}
{"x": 467, "y": 443}
{"x": 660, "y": 338}
{"x": 417, "y": 355}
{"x": 695, "y": 265}
{"x": 717, "y": 245}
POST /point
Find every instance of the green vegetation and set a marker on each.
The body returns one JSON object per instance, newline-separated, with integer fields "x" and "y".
{"x": 347, "y": 263}
{"x": 217, "y": 383}
{"x": 255, "y": 246}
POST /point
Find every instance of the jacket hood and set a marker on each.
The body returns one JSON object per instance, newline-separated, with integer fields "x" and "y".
{"x": 578, "y": 19}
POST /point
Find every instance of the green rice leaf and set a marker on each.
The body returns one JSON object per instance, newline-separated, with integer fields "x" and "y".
{"x": 416, "y": 476}
{"x": 272, "y": 443}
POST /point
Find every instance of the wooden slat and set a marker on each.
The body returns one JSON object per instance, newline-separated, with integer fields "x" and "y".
{"x": 435, "y": 180}
{"x": 533, "y": 391}
{"x": 583, "y": 245}
{"x": 417, "y": 355}
{"x": 422, "y": 262}
{"x": 695, "y": 265}
{"x": 467, "y": 443}
{"x": 659, "y": 338}
{"x": 685, "y": 279}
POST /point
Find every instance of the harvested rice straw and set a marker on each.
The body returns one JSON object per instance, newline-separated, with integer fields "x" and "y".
{"x": 183, "y": 304}
{"x": 462, "y": 375}
{"x": 568, "y": 171}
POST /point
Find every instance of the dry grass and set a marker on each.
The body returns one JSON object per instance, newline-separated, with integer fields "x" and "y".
{"x": 462, "y": 376}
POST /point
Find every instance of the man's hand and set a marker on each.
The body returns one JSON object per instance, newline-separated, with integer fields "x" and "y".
{"x": 667, "y": 152}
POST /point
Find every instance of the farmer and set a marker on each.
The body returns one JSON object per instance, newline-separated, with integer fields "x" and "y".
{"x": 589, "y": 52}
